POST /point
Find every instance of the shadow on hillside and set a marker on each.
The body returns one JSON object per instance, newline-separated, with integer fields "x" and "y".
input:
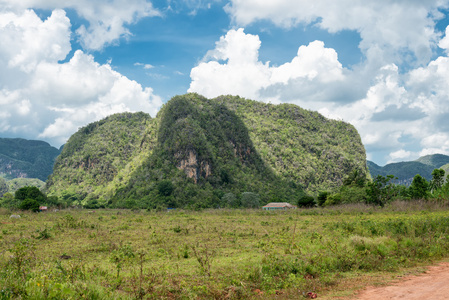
{"x": 204, "y": 149}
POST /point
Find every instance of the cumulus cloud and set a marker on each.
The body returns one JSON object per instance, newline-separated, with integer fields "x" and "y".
{"x": 233, "y": 67}
{"x": 42, "y": 97}
{"x": 108, "y": 19}
{"x": 400, "y": 155}
{"x": 240, "y": 74}
{"x": 444, "y": 43}
{"x": 387, "y": 28}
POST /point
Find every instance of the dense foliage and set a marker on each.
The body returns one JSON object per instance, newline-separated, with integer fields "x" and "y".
{"x": 28, "y": 198}
{"x": 197, "y": 150}
{"x": 100, "y": 158}
{"x": 25, "y": 158}
{"x": 384, "y": 189}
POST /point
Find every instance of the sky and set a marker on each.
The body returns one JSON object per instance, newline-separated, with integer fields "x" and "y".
{"x": 382, "y": 66}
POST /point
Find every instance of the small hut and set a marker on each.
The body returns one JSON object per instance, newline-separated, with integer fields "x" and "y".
{"x": 278, "y": 206}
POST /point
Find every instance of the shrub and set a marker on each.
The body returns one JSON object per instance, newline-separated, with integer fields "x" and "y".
{"x": 306, "y": 201}
{"x": 29, "y": 204}
{"x": 322, "y": 197}
{"x": 333, "y": 199}
{"x": 165, "y": 188}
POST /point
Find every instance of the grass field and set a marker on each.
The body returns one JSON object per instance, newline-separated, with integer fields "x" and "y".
{"x": 215, "y": 254}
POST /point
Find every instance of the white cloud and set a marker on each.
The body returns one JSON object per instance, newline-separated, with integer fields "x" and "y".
{"x": 400, "y": 155}
{"x": 107, "y": 18}
{"x": 83, "y": 91}
{"x": 387, "y": 28}
{"x": 41, "y": 97}
{"x": 26, "y": 39}
{"x": 444, "y": 43}
{"x": 233, "y": 67}
{"x": 145, "y": 66}
{"x": 241, "y": 74}
{"x": 312, "y": 61}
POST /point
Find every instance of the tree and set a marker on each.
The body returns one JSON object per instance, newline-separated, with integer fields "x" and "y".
{"x": 322, "y": 197}
{"x": 165, "y": 188}
{"x": 437, "y": 179}
{"x": 30, "y": 192}
{"x": 356, "y": 177}
{"x": 419, "y": 187}
{"x": 250, "y": 200}
{"x": 381, "y": 190}
{"x": 230, "y": 200}
{"x": 306, "y": 201}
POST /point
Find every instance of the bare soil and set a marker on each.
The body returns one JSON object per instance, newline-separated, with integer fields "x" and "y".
{"x": 432, "y": 284}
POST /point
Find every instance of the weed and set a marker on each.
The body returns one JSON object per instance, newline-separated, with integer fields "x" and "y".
{"x": 204, "y": 256}
{"x": 42, "y": 234}
{"x": 121, "y": 256}
{"x": 22, "y": 255}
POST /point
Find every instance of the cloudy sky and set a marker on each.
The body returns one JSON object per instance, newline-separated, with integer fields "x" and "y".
{"x": 382, "y": 65}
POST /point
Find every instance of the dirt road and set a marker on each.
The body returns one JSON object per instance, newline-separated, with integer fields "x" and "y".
{"x": 432, "y": 284}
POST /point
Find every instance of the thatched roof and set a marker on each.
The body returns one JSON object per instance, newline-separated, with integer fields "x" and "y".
{"x": 279, "y": 204}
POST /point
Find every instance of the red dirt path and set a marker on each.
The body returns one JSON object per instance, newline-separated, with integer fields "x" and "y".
{"x": 432, "y": 284}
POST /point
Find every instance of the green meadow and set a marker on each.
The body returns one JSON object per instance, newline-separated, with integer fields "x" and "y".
{"x": 215, "y": 254}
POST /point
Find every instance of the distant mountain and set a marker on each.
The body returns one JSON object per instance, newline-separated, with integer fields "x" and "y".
{"x": 197, "y": 149}
{"x": 405, "y": 171}
{"x": 435, "y": 160}
{"x": 20, "y": 158}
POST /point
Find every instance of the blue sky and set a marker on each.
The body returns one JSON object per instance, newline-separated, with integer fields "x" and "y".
{"x": 381, "y": 66}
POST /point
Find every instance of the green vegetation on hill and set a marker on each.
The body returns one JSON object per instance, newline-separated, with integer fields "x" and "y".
{"x": 434, "y": 160}
{"x": 11, "y": 186}
{"x": 197, "y": 150}
{"x": 17, "y": 183}
{"x": 26, "y": 158}
{"x": 101, "y": 156}
{"x": 205, "y": 150}
{"x": 405, "y": 171}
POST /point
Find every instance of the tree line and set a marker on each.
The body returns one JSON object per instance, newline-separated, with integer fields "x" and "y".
{"x": 381, "y": 190}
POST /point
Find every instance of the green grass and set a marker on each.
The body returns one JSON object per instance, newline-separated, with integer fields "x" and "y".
{"x": 213, "y": 254}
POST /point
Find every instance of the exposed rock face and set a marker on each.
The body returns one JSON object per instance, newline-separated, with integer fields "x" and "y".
{"x": 192, "y": 167}
{"x": 241, "y": 151}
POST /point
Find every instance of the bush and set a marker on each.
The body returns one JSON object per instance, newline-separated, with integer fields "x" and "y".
{"x": 165, "y": 188}
{"x": 29, "y": 204}
{"x": 322, "y": 197}
{"x": 333, "y": 199}
{"x": 306, "y": 201}
{"x": 9, "y": 201}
